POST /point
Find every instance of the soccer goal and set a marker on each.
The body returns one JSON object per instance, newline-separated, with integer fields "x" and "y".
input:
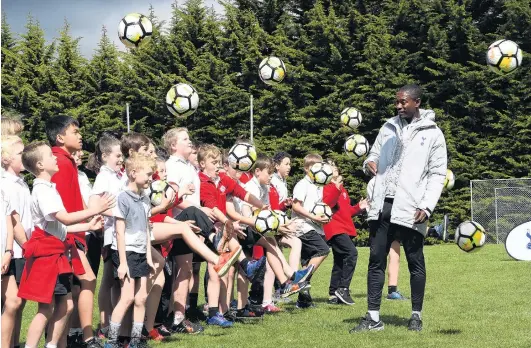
{"x": 500, "y": 205}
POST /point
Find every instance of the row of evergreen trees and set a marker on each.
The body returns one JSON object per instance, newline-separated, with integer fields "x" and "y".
{"x": 345, "y": 53}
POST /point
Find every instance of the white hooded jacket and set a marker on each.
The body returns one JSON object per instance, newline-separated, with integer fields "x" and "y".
{"x": 420, "y": 175}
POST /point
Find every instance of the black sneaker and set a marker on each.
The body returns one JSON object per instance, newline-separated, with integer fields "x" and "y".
{"x": 94, "y": 342}
{"x": 343, "y": 295}
{"x": 247, "y": 314}
{"x": 75, "y": 340}
{"x": 163, "y": 330}
{"x": 367, "y": 324}
{"x": 333, "y": 300}
{"x": 414, "y": 324}
{"x": 230, "y": 315}
{"x": 187, "y": 327}
{"x": 195, "y": 315}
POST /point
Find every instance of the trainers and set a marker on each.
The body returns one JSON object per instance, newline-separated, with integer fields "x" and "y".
{"x": 254, "y": 267}
{"x": 163, "y": 330}
{"x": 289, "y": 288}
{"x": 226, "y": 259}
{"x": 367, "y": 324}
{"x": 230, "y": 315}
{"x": 187, "y": 327}
{"x": 414, "y": 324}
{"x": 302, "y": 274}
{"x": 333, "y": 300}
{"x": 75, "y": 340}
{"x": 113, "y": 344}
{"x": 304, "y": 305}
{"x": 155, "y": 335}
{"x": 270, "y": 308}
{"x": 233, "y": 304}
{"x": 102, "y": 334}
{"x": 219, "y": 320}
{"x": 195, "y": 315}
{"x": 94, "y": 342}
{"x": 343, "y": 294}
{"x": 396, "y": 295}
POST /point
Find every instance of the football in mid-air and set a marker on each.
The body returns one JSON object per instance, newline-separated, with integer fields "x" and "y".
{"x": 504, "y": 56}
{"x": 266, "y": 222}
{"x": 321, "y": 173}
{"x": 159, "y": 189}
{"x": 449, "y": 180}
{"x": 351, "y": 118}
{"x": 356, "y": 146}
{"x": 134, "y": 30}
{"x": 470, "y": 236}
{"x": 242, "y": 157}
{"x": 182, "y": 100}
{"x": 322, "y": 209}
{"x": 282, "y": 217}
{"x": 272, "y": 70}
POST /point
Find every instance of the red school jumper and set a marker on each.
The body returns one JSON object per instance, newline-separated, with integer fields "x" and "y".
{"x": 341, "y": 221}
{"x": 67, "y": 184}
{"x": 212, "y": 195}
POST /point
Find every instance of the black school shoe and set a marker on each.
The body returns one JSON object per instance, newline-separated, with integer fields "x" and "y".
{"x": 343, "y": 295}
{"x": 414, "y": 324}
{"x": 367, "y": 324}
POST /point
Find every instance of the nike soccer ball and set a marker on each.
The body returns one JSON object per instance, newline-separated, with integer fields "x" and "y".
{"x": 322, "y": 209}
{"x": 321, "y": 173}
{"x": 351, "y": 118}
{"x": 470, "y": 236}
{"x": 272, "y": 70}
{"x": 282, "y": 217}
{"x": 449, "y": 180}
{"x": 182, "y": 100}
{"x": 242, "y": 157}
{"x": 504, "y": 56}
{"x": 356, "y": 146}
{"x": 134, "y": 30}
{"x": 159, "y": 189}
{"x": 266, "y": 222}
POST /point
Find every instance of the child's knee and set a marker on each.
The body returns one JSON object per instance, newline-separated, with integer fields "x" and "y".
{"x": 46, "y": 310}
{"x": 12, "y": 303}
{"x": 140, "y": 299}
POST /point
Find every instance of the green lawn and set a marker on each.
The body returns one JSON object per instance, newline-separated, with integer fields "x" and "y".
{"x": 472, "y": 300}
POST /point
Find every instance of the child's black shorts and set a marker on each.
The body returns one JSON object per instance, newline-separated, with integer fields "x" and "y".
{"x": 136, "y": 262}
{"x": 313, "y": 245}
{"x": 63, "y": 285}
{"x": 16, "y": 266}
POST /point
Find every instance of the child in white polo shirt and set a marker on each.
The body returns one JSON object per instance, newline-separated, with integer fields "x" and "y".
{"x": 311, "y": 233}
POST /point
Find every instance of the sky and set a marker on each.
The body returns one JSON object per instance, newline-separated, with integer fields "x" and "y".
{"x": 86, "y": 18}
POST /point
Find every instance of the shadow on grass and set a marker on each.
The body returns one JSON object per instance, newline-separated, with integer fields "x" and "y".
{"x": 393, "y": 320}
{"x": 449, "y": 331}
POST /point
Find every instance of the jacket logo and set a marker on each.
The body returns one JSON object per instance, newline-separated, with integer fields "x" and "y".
{"x": 344, "y": 195}
{"x": 222, "y": 189}
{"x": 422, "y": 142}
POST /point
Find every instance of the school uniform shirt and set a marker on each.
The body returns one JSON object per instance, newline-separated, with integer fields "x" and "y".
{"x": 214, "y": 191}
{"x": 182, "y": 173}
{"x": 308, "y": 193}
{"x": 261, "y": 192}
{"x": 7, "y": 210}
{"x": 135, "y": 209}
{"x": 46, "y": 201}
{"x": 109, "y": 181}
{"x": 341, "y": 222}
{"x": 21, "y": 202}
{"x": 67, "y": 184}
{"x": 84, "y": 186}
{"x": 281, "y": 187}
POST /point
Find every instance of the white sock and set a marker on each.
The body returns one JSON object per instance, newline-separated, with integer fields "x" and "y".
{"x": 49, "y": 345}
{"x": 375, "y": 315}
{"x": 178, "y": 317}
{"x": 418, "y": 313}
{"x": 265, "y": 303}
{"x": 26, "y": 346}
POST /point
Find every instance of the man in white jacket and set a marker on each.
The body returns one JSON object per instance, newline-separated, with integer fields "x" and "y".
{"x": 408, "y": 160}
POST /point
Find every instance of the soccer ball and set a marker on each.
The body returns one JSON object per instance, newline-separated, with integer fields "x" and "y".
{"x": 356, "y": 146}
{"x": 282, "y": 217}
{"x": 242, "y": 157}
{"x": 504, "y": 56}
{"x": 322, "y": 209}
{"x": 134, "y": 30}
{"x": 321, "y": 173}
{"x": 351, "y": 118}
{"x": 470, "y": 236}
{"x": 159, "y": 189}
{"x": 266, "y": 222}
{"x": 272, "y": 70}
{"x": 449, "y": 180}
{"x": 182, "y": 100}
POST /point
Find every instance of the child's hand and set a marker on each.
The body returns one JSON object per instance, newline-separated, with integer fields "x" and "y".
{"x": 150, "y": 264}
{"x": 186, "y": 190}
{"x": 364, "y": 204}
{"x": 321, "y": 219}
{"x": 123, "y": 271}
{"x": 239, "y": 229}
{"x": 286, "y": 230}
{"x": 6, "y": 260}
{"x": 96, "y": 223}
{"x": 193, "y": 227}
{"x": 166, "y": 201}
{"x": 288, "y": 202}
{"x": 103, "y": 202}
{"x": 209, "y": 212}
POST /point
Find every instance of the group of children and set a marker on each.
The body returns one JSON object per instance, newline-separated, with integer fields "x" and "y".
{"x": 55, "y": 236}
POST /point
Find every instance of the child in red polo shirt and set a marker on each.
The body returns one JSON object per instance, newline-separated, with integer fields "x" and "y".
{"x": 64, "y": 137}
{"x": 46, "y": 275}
{"x": 339, "y": 234}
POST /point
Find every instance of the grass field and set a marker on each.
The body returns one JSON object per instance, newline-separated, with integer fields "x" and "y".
{"x": 472, "y": 300}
